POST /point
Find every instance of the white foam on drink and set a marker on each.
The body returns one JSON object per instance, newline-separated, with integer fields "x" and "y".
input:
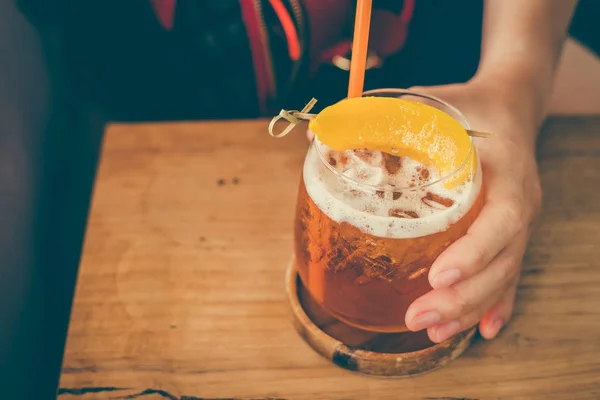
{"x": 342, "y": 200}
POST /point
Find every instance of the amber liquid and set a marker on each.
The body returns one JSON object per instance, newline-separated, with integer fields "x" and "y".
{"x": 363, "y": 280}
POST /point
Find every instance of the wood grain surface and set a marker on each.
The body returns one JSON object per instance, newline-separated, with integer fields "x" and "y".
{"x": 181, "y": 289}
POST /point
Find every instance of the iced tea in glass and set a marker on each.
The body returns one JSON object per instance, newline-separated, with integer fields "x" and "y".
{"x": 369, "y": 225}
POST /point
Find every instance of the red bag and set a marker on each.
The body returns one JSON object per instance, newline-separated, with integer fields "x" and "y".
{"x": 193, "y": 59}
{"x": 314, "y": 31}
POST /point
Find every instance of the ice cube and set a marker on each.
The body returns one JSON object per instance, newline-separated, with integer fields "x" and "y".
{"x": 400, "y": 213}
{"x": 366, "y": 156}
{"x": 392, "y": 163}
{"x": 436, "y": 201}
{"x": 365, "y": 174}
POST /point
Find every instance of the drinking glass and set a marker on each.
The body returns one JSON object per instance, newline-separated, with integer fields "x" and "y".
{"x": 368, "y": 226}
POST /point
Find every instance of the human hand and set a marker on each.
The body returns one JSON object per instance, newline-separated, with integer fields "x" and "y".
{"x": 475, "y": 279}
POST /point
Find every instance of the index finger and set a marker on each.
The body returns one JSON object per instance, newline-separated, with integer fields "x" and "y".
{"x": 498, "y": 222}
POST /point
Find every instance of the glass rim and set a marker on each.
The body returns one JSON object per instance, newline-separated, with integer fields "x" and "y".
{"x": 405, "y": 92}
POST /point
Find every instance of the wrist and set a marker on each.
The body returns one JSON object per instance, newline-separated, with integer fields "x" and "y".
{"x": 518, "y": 95}
{"x": 512, "y": 106}
{"x": 519, "y": 90}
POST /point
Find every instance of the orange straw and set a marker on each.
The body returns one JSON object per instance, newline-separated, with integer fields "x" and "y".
{"x": 360, "y": 46}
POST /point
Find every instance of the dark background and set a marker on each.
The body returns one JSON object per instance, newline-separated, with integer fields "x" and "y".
{"x": 58, "y": 86}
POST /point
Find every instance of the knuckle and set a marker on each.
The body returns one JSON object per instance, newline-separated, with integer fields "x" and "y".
{"x": 515, "y": 268}
{"x": 459, "y": 303}
{"x": 510, "y": 271}
{"x": 478, "y": 312}
{"x": 537, "y": 198}
{"x": 514, "y": 208}
{"x": 537, "y": 194}
{"x": 478, "y": 258}
{"x": 512, "y": 214}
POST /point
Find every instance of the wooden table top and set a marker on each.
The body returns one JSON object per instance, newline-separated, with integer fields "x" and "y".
{"x": 181, "y": 288}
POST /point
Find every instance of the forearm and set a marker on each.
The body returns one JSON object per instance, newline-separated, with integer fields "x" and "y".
{"x": 521, "y": 46}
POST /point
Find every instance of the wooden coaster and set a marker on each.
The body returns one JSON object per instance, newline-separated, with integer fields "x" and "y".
{"x": 369, "y": 353}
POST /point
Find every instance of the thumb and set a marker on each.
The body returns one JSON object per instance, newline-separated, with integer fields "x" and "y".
{"x": 420, "y": 89}
{"x": 461, "y": 96}
{"x": 443, "y": 92}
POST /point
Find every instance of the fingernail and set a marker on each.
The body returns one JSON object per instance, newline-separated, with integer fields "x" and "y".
{"x": 425, "y": 320}
{"x": 445, "y": 278}
{"x": 446, "y": 331}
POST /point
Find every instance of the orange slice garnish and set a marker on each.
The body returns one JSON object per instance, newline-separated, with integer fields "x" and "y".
{"x": 399, "y": 127}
